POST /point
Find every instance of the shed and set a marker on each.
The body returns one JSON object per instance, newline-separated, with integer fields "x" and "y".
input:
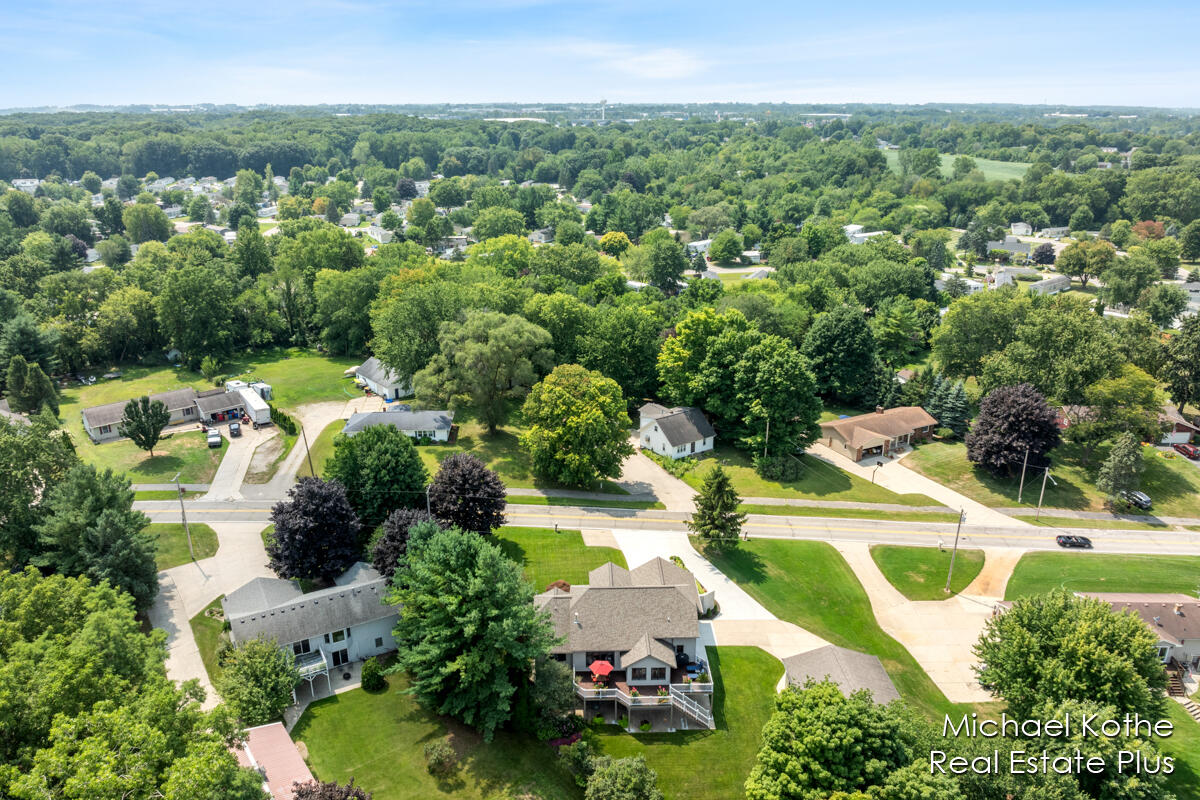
{"x": 849, "y": 669}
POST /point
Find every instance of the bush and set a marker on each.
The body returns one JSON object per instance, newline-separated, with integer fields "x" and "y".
{"x": 283, "y": 421}
{"x": 579, "y": 760}
{"x": 623, "y": 722}
{"x": 372, "y": 676}
{"x": 440, "y": 758}
{"x": 944, "y": 433}
{"x": 598, "y": 719}
{"x": 779, "y": 468}
{"x": 676, "y": 467}
{"x": 645, "y": 726}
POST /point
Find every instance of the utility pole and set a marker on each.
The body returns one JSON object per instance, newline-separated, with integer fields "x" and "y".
{"x": 1045, "y": 475}
{"x": 767, "y": 439}
{"x": 307, "y": 452}
{"x": 183, "y": 514}
{"x": 954, "y": 553}
{"x": 427, "y": 509}
{"x": 1023, "y": 465}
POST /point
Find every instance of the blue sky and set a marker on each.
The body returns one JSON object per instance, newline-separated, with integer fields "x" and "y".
{"x": 61, "y": 52}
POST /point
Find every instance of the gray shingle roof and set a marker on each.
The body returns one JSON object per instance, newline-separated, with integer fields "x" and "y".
{"x": 649, "y": 647}
{"x": 402, "y": 420}
{"x": 271, "y": 610}
{"x": 218, "y": 401}
{"x": 373, "y": 370}
{"x": 112, "y": 413}
{"x": 684, "y": 425}
{"x": 849, "y": 669}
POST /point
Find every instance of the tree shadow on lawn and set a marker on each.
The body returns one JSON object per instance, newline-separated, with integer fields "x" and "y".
{"x": 1065, "y": 495}
{"x": 159, "y": 462}
{"x": 739, "y": 563}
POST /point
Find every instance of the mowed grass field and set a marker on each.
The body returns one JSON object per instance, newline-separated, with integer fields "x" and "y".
{"x": 1098, "y": 572}
{"x": 992, "y": 170}
{"x": 919, "y": 573}
{"x": 172, "y": 544}
{"x": 186, "y": 452}
{"x": 548, "y": 556}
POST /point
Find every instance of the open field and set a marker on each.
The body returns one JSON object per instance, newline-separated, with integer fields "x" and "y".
{"x": 186, "y": 452}
{"x": 694, "y": 764}
{"x": 378, "y": 739}
{"x": 548, "y": 556}
{"x": 1095, "y": 572}
{"x": 992, "y": 170}
{"x": 919, "y": 573}
{"x": 1172, "y": 483}
{"x": 172, "y": 545}
{"x": 820, "y": 481}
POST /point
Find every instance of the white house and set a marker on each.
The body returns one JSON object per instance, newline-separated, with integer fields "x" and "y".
{"x": 27, "y": 185}
{"x": 435, "y": 425}
{"x": 349, "y": 220}
{"x": 751, "y": 257}
{"x": 102, "y": 422}
{"x": 379, "y": 234}
{"x": 1177, "y": 429}
{"x": 542, "y": 236}
{"x": 674, "y": 432}
{"x": 325, "y": 629}
{"x": 700, "y": 246}
{"x": 382, "y": 381}
{"x": 1054, "y": 233}
{"x": 1051, "y": 285}
{"x": 1021, "y": 229}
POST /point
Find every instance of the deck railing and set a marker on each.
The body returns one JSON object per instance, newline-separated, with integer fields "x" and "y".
{"x": 674, "y": 697}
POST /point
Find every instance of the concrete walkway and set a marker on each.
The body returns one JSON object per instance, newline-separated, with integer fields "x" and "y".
{"x": 898, "y": 478}
{"x": 938, "y": 633}
{"x": 640, "y": 475}
{"x": 226, "y": 484}
{"x": 998, "y": 565}
{"x": 184, "y": 591}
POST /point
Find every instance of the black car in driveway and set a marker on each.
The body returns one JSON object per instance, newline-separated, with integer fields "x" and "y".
{"x": 1073, "y": 541}
{"x": 235, "y": 429}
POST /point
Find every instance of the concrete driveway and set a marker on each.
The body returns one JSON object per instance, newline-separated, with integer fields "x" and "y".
{"x": 226, "y": 484}
{"x": 640, "y": 475}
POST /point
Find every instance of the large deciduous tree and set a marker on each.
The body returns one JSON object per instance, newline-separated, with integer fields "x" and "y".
{"x": 1058, "y": 647}
{"x": 145, "y": 222}
{"x": 485, "y": 363}
{"x": 841, "y": 351}
{"x": 91, "y": 529}
{"x": 380, "y": 470}
{"x": 316, "y": 532}
{"x": 389, "y": 546}
{"x": 577, "y": 426}
{"x": 33, "y": 460}
{"x": 1182, "y": 368}
{"x": 975, "y": 327}
{"x": 466, "y": 494}
{"x": 462, "y": 602}
{"x": 1013, "y": 421}
{"x": 1130, "y": 402}
{"x": 777, "y": 391}
{"x": 195, "y": 312}
{"x": 257, "y": 678}
{"x": 144, "y": 421}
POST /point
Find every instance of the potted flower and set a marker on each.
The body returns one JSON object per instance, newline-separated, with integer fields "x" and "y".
{"x": 662, "y": 694}
{"x": 633, "y": 692}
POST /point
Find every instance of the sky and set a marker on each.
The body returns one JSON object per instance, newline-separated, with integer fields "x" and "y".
{"x": 65, "y": 52}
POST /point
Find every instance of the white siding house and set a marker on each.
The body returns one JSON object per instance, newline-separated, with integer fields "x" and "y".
{"x": 674, "y": 432}
{"x": 381, "y": 380}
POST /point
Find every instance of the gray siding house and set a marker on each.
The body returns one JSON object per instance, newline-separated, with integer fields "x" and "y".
{"x": 435, "y": 425}
{"x": 102, "y": 422}
{"x": 382, "y": 381}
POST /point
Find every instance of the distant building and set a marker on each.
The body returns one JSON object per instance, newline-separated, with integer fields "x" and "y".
{"x": 27, "y": 185}
{"x": 751, "y": 257}
{"x": 700, "y": 246}
{"x": 1021, "y": 229}
{"x": 1051, "y": 285}
{"x": 382, "y": 381}
{"x": 1010, "y": 244}
{"x": 542, "y": 236}
{"x": 1054, "y": 233}
{"x": 435, "y": 425}
{"x": 349, "y": 220}
{"x": 379, "y": 234}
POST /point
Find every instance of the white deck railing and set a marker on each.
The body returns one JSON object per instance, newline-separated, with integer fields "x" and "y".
{"x": 674, "y": 696}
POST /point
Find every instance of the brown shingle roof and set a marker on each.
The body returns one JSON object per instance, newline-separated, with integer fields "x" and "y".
{"x": 887, "y": 424}
{"x": 1178, "y": 615}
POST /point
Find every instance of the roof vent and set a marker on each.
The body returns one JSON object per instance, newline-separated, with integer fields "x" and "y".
{"x": 577, "y": 622}
{"x": 1158, "y": 621}
{"x": 1179, "y": 609}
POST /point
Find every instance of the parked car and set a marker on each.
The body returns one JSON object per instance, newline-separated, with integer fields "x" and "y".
{"x": 1139, "y": 499}
{"x": 235, "y": 429}
{"x": 1189, "y": 450}
{"x": 214, "y": 437}
{"x": 1073, "y": 541}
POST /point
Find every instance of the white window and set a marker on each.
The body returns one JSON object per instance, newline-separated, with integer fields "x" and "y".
{"x": 106, "y": 428}
{"x": 337, "y": 636}
{"x": 1162, "y": 653}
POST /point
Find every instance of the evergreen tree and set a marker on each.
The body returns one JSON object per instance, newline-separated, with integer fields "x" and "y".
{"x": 717, "y": 517}
{"x": 29, "y": 389}
{"x": 956, "y": 410}
{"x": 1122, "y": 470}
{"x": 144, "y": 421}
{"x": 936, "y": 400}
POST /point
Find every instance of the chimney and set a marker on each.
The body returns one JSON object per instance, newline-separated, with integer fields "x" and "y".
{"x": 878, "y": 409}
{"x": 1179, "y": 609}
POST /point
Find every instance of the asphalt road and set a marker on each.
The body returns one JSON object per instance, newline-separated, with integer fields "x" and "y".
{"x": 758, "y": 525}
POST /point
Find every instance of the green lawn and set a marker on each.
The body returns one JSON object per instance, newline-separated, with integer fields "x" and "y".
{"x": 919, "y": 573}
{"x": 378, "y": 739}
{"x": 297, "y": 376}
{"x": 820, "y": 481}
{"x": 810, "y": 584}
{"x": 1172, "y": 484}
{"x": 849, "y": 513}
{"x": 992, "y": 170}
{"x": 548, "y": 556}
{"x": 710, "y": 764}
{"x": 1184, "y": 745}
{"x": 172, "y": 546}
{"x": 207, "y": 632}
{"x": 185, "y": 452}
{"x": 1095, "y": 572}
{"x": 535, "y": 500}
{"x": 164, "y": 494}
{"x": 1108, "y": 524}
{"x": 320, "y": 449}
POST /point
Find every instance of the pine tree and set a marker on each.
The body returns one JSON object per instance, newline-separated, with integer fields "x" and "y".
{"x": 1122, "y": 470}
{"x": 28, "y": 387}
{"x": 936, "y": 401}
{"x": 955, "y": 409}
{"x": 717, "y": 518}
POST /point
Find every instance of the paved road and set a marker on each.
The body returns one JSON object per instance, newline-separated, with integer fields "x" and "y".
{"x": 770, "y": 526}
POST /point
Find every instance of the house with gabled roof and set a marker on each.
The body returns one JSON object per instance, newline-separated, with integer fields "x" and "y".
{"x": 882, "y": 433}
{"x": 102, "y": 423}
{"x": 387, "y": 383}
{"x": 434, "y": 425}
{"x": 644, "y": 624}
{"x": 674, "y": 432}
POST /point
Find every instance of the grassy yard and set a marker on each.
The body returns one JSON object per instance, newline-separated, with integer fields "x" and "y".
{"x": 810, "y": 584}
{"x": 378, "y": 739}
{"x": 1100, "y": 524}
{"x": 715, "y": 763}
{"x": 164, "y": 494}
{"x": 548, "y": 556}
{"x": 1173, "y": 484}
{"x": 991, "y": 169}
{"x": 849, "y": 513}
{"x": 320, "y": 449}
{"x": 820, "y": 481}
{"x": 207, "y": 632}
{"x": 172, "y": 546}
{"x": 919, "y": 573}
{"x": 186, "y": 453}
{"x": 1095, "y": 572}
{"x": 1184, "y": 745}
{"x": 532, "y": 500}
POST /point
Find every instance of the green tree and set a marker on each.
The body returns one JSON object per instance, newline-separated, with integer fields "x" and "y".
{"x": 200, "y": 210}
{"x": 577, "y": 427}
{"x": 33, "y": 459}
{"x": 815, "y": 727}
{"x": 667, "y": 264}
{"x": 622, "y": 343}
{"x": 1086, "y": 260}
{"x": 841, "y": 350}
{"x": 406, "y": 324}
{"x": 564, "y": 317}
{"x": 126, "y": 325}
{"x": 1058, "y": 647}
{"x": 114, "y": 251}
{"x": 1122, "y": 470}
{"x": 145, "y": 222}
{"x": 250, "y": 251}
{"x": 1128, "y": 277}
{"x": 342, "y": 307}
{"x": 380, "y": 470}
{"x": 485, "y": 362}
{"x": 1181, "y": 371}
{"x": 1163, "y": 303}
{"x": 195, "y": 312}
{"x": 726, "y": 247}
{"x": 128, "y": 186}
{"x": 615, "y": 243}
{"x": 775, "y": 386}
{"x": 498, "y": 221}
{"x": 717, "y": 518}
{"x": 144, "y": 421}
{"x": 622, "y": 779}
{"x": 1189, "y": 241}
{"x": 28, "y": 387}
{"x": 956, "y": 411}
{"x": 975, "y": 327}
{"x": 682, "y": 356}
{"x": 463, "y": 602}
{"x": 256, "y": 680}
{"x": 1165, "y": 254}
{"x": 1128, "y": 402}
{"x": 91, "y": 181}
{"x": 421, "y": 212}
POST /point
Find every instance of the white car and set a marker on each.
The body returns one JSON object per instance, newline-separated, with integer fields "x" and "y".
{"x": 214, "y": 437}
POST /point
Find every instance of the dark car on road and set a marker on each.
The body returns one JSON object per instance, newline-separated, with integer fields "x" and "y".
{"x": 1189, "y": 450}
{"x": 1073, "y": 541}
{"x": 235, "y": 430}
{"x": 1139, "y": 499}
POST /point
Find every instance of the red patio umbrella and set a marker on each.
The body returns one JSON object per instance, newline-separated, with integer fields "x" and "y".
{"x": 600, "y": 667}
